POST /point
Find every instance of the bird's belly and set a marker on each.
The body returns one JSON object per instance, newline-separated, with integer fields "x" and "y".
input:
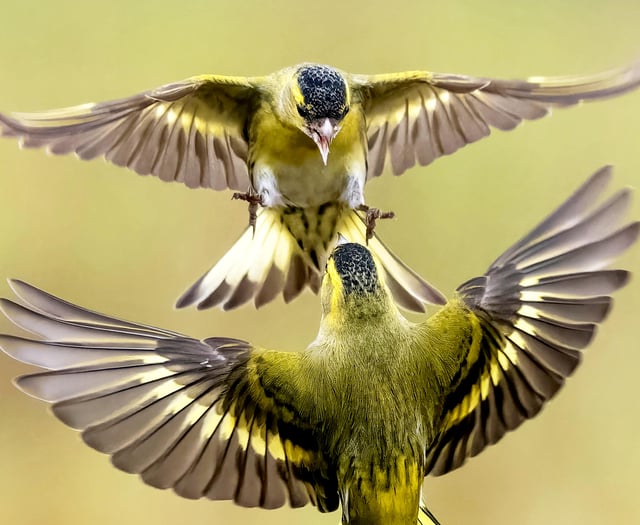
{"x": 307, "y": 182}
{"x": 310, "y": 184}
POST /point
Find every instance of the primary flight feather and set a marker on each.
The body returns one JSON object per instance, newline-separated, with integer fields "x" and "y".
{"x": 301, "y": 142}
{"x": 369, "y": 408}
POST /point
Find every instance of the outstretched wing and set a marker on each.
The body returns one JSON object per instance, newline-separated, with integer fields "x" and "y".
{"x": 211, "y": 418}
{"x": 529, "y": 317}
{"x": 190, "y": 131}
{"x": 419, "y": 116}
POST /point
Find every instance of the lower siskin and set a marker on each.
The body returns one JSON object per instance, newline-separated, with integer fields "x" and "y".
{"x": 226, "y": 420}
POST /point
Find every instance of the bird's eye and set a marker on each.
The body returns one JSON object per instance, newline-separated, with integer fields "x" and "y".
{"x": 303, "y": 112}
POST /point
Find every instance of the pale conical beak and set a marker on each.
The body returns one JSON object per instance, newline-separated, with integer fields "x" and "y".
{"x": 323, "y": 137}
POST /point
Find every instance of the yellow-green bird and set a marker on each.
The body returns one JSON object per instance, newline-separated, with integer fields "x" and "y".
{"x": 373, "y": 405}
{"x": 302, "y": 142}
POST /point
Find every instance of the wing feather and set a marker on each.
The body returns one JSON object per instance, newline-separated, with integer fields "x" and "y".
{"x": 195, "y": 416}
{"x": 530, "y": 315}
{"x": 190, "y": 131}
{"x": 445, "y": 112}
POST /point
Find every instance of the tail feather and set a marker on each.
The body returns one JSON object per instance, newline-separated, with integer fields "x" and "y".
{"x": 273, "y": 261}
{"x": 409, "y": 289}
{"x": 256, "y": 267}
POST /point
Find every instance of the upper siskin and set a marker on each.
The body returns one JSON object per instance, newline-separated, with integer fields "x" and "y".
{"x": 305, "y": 140}
{"x": 374, "y": 403}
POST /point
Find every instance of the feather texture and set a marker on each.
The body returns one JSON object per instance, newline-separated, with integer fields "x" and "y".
{"x": 182, "y": 413}
{"x": 418, "y": 116}
{"x": 249, "y": 134}
{"x": 536, "y": 307}
{"x": 189, "y": 131}
{"x": 374, "y": 403}
{"x": 288, "y": 252}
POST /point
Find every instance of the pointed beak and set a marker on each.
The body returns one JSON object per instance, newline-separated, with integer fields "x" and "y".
{"x": 323, "y": 136}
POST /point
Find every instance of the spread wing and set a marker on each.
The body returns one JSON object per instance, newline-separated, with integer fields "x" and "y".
{"x": 420, "y": 116}
{"x": 189, "y": 131}
{"x": 209, "y": 418}
{"x": 530, "y": 315}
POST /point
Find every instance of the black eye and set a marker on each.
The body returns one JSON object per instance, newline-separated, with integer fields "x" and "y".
{"x": 303, "y": 112}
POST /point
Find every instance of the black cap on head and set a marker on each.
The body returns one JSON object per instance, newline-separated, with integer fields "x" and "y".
{"x": 356, "y": 268}
{"x": 324, "y": 92}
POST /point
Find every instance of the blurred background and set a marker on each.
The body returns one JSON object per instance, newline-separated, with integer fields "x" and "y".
{"x": 105, "y": 238}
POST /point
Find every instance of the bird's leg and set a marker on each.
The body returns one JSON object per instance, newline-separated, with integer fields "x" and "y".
{"x": 254, "y": 200}
{"x": 371, "y": 216}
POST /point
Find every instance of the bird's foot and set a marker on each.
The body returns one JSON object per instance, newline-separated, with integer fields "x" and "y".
{"x": 254, "y": 200}
{"x": 371, "y": 216}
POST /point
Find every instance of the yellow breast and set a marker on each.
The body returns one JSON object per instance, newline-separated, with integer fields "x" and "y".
{"x": 291, "y": 159}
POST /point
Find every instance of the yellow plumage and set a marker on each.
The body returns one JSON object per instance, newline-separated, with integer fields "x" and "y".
{"x": 304, "y": 141}
{"x": 370, "y": 407}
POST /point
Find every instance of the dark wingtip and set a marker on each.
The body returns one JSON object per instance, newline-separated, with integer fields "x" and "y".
{"x": 183, "y": 301}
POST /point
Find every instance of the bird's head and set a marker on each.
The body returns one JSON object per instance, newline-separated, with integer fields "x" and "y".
{"x": 322, "y": 99}
{"x": 352, "y": 287}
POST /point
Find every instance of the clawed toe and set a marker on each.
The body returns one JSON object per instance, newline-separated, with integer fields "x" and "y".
{"x": 371, "y": 216}
{"x": 254, "y": 201}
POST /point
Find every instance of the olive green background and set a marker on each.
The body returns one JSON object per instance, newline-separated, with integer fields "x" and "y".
{"x": 106, "y": 238}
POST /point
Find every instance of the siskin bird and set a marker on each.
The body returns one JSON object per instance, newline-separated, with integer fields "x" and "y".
{"x": 302, "y": 142}
{"x": 223, "y": 419}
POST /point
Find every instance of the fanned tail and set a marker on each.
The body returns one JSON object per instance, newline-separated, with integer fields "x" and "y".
{"x": 287, "y": 253}
{"x": 258, "y": 267}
